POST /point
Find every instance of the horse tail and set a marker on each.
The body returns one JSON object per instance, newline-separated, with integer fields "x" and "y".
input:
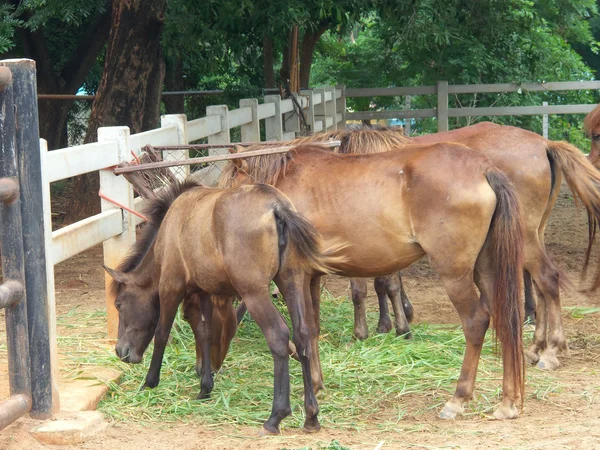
{"x": 297, "y": 232}
{"x": 506, "y": 239}
{"x": 583, "y": 180}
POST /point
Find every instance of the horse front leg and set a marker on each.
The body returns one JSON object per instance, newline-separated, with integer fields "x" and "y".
{"x": 205, "y": 336}
{"x": 358, "y": 288}
{"x": 168, "y": 310}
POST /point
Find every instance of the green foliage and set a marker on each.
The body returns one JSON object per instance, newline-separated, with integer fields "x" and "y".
{"x": 463, "y": 42}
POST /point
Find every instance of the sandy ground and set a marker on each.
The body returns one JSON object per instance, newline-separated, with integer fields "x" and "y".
{"x": 566, "y": 419}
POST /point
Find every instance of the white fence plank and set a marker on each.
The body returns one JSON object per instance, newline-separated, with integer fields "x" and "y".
{"x": 286, "y": 106}
{"x": 159, "y": 136}
{"x": 239, "y": 117}
{"x": 85, "y": 234}
{"x": 203, "y": 127}
{"x": 73, "y": 161}
{"x": 266, "y": 110}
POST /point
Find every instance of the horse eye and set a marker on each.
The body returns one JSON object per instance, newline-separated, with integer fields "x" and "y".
{"x": 118, "y": 305}
{"x": 596, "y": 137}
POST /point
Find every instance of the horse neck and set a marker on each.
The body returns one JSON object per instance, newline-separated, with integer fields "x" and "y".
{"x": 145, "y": 270}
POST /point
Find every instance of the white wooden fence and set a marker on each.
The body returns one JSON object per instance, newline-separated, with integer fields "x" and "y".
{"x": 114, "y": 227}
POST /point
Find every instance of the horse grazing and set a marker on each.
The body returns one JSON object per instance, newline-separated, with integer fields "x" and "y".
{"x": 201, "y": 242}
{"x": 445, "y": 201}
{"x": 535, "y": 166}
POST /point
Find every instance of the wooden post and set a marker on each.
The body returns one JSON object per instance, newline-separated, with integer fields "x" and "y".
{"x": 11, "y": 241}
{"x": 545, "y": 122}
{"x": 44, "y": 383}
{"x": 340, "y": 105}
{"x": 291, "y": 120}
{"x": 180, "y": 121}
{"x": 442, "y": 105}
{"x": 310, "y": 110}
{"x": 407, "y": 121}
{"x": 330, "y": 108}
{"x": 319, "y": 109}
{"x": 251, "y": 131}
{"x": 116, "y": 188}
{"x": 223, "y": 137}
{"x": 274, "y": 125}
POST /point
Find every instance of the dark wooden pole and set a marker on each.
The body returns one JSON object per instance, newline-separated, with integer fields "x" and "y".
{"x": 11, "y": 245}
{"x": 29, "y": 166}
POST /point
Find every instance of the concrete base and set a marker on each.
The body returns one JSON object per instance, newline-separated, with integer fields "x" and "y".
{"x": 70, "y": 428}
{"x": 84, "y": 394}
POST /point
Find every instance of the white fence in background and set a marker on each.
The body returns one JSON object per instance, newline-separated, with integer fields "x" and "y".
{"x": 325, "y": 109}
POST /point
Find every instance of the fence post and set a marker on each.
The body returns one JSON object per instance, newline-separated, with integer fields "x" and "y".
{"x": 11, "y": 237}
{"x": 340, "y": 105}
{"x": 223, "y": 137}
{"x": 407, "y": 121}
{"x": 116, "y": 188}
{"x": 291, "y": 120}
{"x": 442, "y": 105}
{"x": 274, "y": 125}
{"x": 319, "y": 109}
{"x": 330, "y": 108}
{"x": 180, "y": 122}
{"x": 545, "y": 122}
{"x": 44, "y": 371}
{"x": 251, "y": 131}
{"x": 310, "y": 109}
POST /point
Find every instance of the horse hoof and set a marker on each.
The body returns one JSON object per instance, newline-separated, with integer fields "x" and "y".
{"x": 312, "y": 426}
{"x": 203, "y": 395}
{"x": 548, "y": 362}
{"x": 449, "y": 412}
{"x": 150, "y": 384}
{"x": 264, "y": 431}
{"x": 531, "y": 357}
{"x": 384, "y": 327}
{"x": 506, "y": 412}
{"x": 361, "y": 335}
{"x": 406, "y": 334}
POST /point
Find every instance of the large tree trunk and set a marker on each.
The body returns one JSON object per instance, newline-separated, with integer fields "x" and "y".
{"x": 286, "y": 61}
{"x": 174, "y": 104}
{"x": 128, "y": 93}
{"x": 53, "y": 113}
{"x": 268, "y": 61}
{"x": 308, "y": 49}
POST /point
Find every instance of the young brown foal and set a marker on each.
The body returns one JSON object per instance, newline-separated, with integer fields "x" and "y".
{"x": 445, "y": 201}
{"x": 202, "y": 242}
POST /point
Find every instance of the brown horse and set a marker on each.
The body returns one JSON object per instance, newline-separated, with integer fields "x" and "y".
{"x": 445, "y": 201}
{"x": 222, "y": 243}
{"x": 591, "y": 125}
{"x": 535, "y": 166}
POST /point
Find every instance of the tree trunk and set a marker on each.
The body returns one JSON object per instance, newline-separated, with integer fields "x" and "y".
{"x": 308, "y": 49}
{"x": 128, "y": 93}
{"x": 174, "y": 104}
{"x": 286, "y": 61}
{"x": 268, "y": 63}
{"x": 53, "y": 113}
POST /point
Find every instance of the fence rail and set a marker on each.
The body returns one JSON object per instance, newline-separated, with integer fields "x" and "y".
{"x": 443, "y": 90}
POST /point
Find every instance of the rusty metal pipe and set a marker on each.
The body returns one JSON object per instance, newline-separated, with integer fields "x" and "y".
{"x": 13, "y": 408}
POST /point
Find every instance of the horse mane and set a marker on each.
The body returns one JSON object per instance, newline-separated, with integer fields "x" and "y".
{"x": 356, "y": 139}
{"x": 592, "y": 120}
{"x": 360, "y": 139}
{"x": 155, "y": 210}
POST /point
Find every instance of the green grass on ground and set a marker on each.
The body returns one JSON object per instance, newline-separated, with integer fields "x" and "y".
{"x": 376, "y": 382}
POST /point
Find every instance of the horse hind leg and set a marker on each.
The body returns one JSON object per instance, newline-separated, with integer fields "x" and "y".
{"x": 292, "y": 287}
{"x": 382, "y": 287}
{"x": 358, "y": 288}
{"x": 406, "y": 304}
{"x": 529, "y": 298}
{"x": 475, "y": 319}
{"x": 393, "y": 288}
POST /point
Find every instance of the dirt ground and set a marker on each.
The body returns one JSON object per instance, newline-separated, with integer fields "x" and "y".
{"x": 566, "y": 419}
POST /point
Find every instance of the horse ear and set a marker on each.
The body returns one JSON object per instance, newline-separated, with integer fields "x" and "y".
{"x": 119, "y": 277}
